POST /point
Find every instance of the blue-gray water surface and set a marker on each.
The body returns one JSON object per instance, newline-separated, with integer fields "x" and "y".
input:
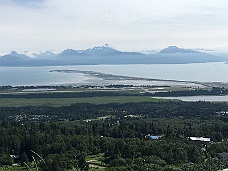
{"x": 203, "y": 72}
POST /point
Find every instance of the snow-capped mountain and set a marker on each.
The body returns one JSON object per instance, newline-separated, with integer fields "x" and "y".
{"x": 106, "y": 55}
{"x": 101, "y": 50}
{"x": 34, "y": 54}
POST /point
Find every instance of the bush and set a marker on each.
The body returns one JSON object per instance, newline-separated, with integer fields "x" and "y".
{"x": 6, "y": 160}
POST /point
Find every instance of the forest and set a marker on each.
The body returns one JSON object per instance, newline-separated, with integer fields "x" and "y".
{"x": 114, "y": 136}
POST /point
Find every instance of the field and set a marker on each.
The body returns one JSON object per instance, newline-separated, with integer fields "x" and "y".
{"x": 7, "y": 102}
{"x": 95, "y": 162}
{"x": 21, "y": 97}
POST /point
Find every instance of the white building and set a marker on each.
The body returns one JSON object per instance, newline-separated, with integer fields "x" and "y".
{"x": 199, "y": 139}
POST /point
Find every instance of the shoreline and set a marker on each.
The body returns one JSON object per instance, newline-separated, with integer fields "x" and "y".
{"x": 128, "y": 80}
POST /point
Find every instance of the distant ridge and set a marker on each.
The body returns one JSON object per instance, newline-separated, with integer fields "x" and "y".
{"x": 107, "y": 55}
{"x": 175, "y": 49}
{"x": 22, "y": 56}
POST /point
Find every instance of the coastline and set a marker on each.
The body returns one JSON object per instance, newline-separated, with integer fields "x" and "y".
{"x": 127, "y": 80}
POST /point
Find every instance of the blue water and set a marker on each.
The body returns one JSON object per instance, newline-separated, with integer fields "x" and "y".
{"x": 36, "y": 76}
{"x": 205, "y": 72}
{"x": 199, "y": 98}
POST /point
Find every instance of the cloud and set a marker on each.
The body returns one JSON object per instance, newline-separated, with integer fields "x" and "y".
{"x": 125, "y": 24}
{"x": 28, "y": 3}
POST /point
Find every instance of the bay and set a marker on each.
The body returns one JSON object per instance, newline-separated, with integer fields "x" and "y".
{"x": 198, "y": 98}
{"x": 203, "y": 72}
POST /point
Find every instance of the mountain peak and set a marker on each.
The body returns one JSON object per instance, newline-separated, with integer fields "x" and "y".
{"x": 104, "y": 47}
{"x": 13, "y": 53}
{"x": 101, "y": 50}
{"x": 18, "y": 55}
{"x": 69, "y": 52}
{"x": 175, "y": 49}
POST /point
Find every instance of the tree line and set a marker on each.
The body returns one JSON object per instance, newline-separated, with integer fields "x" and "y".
{"x": 64, "y": 136}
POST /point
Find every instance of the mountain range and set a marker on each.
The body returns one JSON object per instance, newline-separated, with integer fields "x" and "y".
{"x": 107, "y": 55}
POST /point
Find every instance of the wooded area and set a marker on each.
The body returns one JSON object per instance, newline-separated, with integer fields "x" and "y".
{"x": 120, "y": 134}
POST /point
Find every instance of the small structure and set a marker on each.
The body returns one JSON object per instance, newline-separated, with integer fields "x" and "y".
{"x": 130, "y": 116}
{"x": 152, "y": 137}
{"x": 15, "y": 158}
{"x": 199, "y": 139}
{"x": 222, "y": 156}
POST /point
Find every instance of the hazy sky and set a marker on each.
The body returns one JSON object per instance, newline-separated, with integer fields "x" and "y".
{"x": 124, "y": 24}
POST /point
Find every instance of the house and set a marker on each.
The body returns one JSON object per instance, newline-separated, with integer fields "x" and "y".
{"x": 15, "y": 158}
{"x": 199, "y": 139}
{"x": 152, "y": 137}
{"x": 222, "y": 156}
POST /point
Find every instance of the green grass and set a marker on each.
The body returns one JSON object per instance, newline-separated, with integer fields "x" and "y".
{"x": 97, "y": 169}
{"x": 95, "y": 157}
{"x": 8, "y": 102}
{"x": 95, "y": 162}
{"x": 15, "y": 168}
{"x": 75, "y": 90}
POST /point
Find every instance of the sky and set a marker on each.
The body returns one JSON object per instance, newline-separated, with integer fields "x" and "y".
{"x": 127, "y": 25}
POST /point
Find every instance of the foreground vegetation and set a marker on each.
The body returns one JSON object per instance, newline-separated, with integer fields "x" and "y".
{"x": 111, "y": 136}
{"x": 17, "y": 102}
